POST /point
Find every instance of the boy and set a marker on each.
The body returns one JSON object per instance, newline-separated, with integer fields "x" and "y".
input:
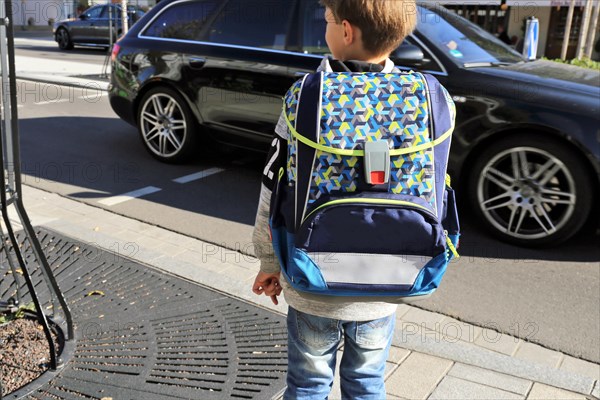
{"x": 360, "y": 35}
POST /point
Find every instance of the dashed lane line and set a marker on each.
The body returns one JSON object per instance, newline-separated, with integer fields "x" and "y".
{"x": 43, "y": 103}
{"x": 111, "y": 201}
{"x": 198, "y": 175}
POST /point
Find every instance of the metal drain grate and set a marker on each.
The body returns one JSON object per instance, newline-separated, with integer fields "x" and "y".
{"x": 142, "y": 334}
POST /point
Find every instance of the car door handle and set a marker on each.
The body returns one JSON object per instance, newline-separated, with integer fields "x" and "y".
{"x": 196, "y": 62}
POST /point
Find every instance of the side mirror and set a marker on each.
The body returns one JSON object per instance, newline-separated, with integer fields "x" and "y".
{"x": 83, "y": 17}
{"x": 408, "y": 54}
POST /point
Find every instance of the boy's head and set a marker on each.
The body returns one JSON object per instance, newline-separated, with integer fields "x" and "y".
{"x": 367, "y": 30}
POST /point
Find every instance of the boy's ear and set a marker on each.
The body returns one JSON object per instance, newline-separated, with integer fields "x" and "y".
{"x": 349, "y": 32}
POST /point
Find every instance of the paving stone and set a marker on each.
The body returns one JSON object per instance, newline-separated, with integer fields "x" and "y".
{"x": 452, "y": 388}
{"x": 141, "y": 240}
{"x": 402, "y": 309}
{"x": 581, "y": 367}
{"x": 39, "y": 220}
{"x": 538, "y": 354}
{"x": 390, "y": 367}
{"x": 398, "y": 354}
{"x": 490, "y": 378}
{"x": 120, "y": 219}
{"x": 423, "y": 318}
{"x": 545, "y": 392}
{"x": 170, "y": 250}
{"x": 596, "y": 390}
{"x": 454, "y": 329}
{"x": 238, "y": 273}
{"x": 406, "y": 332}
{"x": 194, "y": 259}
{"x": 498, "y": 342}
{"x": 393, "y": 397}
{"x": 417, "y": 376}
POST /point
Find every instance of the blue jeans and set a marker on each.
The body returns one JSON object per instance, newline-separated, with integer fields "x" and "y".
{"x": 312, "y": 347}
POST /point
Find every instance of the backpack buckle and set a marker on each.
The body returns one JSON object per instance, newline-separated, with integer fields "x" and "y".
{"x": 377, "y": 162}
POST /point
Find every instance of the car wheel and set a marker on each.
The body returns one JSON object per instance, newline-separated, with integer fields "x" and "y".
{"x": 167, "y": 126}
{"x": 530, "y": 191}
{"x": 64, "y": 39}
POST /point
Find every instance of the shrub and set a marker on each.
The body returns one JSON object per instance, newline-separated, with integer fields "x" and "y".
{"x": 584, "y": 62}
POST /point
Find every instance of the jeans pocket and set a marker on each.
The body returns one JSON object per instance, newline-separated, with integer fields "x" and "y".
{"x": 375, "y": 334}
{"x": 317, "y": 332}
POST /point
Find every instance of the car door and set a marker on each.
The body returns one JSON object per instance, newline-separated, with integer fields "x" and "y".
{"x": 102, "y": 31}
{"x": 240, "y": 86}
{"x": 83, "y": 30}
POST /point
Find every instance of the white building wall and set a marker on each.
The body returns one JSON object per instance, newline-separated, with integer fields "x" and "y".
{"x": 38, "y": 12}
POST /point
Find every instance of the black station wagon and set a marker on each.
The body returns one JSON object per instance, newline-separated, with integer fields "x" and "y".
{"x": 526, "y": 145}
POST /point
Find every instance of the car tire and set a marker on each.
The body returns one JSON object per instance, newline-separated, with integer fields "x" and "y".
{"x": 167, "y": 126}
{"x": 64, "y": 39}
{"x": 530, "y": 190}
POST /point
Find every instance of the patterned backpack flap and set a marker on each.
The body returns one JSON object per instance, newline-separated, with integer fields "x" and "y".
{"x": 365, "y": 190}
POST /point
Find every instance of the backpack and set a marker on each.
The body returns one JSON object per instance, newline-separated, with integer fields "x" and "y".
{"x": 364, "y": 206}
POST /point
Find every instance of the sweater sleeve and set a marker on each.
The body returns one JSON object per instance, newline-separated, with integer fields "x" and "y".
{"x": 261, "y": 237}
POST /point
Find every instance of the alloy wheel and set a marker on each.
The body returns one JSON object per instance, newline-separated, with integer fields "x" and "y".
{"x": 63, "y": 39}
{"x": 163, "y": 125}
{"x": 526, "y": 193}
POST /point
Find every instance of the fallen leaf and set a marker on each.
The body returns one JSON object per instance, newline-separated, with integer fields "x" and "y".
{"x": 95, "y": 292}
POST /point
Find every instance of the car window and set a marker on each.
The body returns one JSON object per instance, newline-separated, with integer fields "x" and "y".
{"x": 429, "y": 62}
{"x": 187, "y": 21}
{"x": 313, "y": 31}
{"x": 93, "y": 12}
{"x": 114, "y": 10}
{"x": 463, "y": 41}
{"x": 256, "y": 23}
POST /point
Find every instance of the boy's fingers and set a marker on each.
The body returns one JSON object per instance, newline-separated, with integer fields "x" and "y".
{"x": 258, "y": 287}
{"x": 257, "y": 290}
{"x": 274, "y": 300}
{"x": 273, "y": 289}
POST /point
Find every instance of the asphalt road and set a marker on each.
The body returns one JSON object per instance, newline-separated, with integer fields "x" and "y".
{"x": 78, "y": 147}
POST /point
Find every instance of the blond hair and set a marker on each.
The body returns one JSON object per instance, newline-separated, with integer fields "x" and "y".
{"x": 383, "y": 23}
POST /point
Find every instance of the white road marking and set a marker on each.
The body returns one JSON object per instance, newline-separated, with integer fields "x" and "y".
{"x": 111, "y": 201}
{"x": 41, "y": 103}
{"x": 198, "y": 175}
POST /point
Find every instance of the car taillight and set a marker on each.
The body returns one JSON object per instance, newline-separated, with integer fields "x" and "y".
{"x": 115, "y": 52}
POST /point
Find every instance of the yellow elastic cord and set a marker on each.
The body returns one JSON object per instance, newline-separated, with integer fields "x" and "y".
{"x": 448, "y": 181}
{"x": 452, "y": 248}
{"x": 361, "y": 153}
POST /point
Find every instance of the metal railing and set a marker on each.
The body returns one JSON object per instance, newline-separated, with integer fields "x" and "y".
{"x": 11, "y": 199}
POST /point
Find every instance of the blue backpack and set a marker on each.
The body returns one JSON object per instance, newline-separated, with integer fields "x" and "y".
{"x": 364, "y": 207}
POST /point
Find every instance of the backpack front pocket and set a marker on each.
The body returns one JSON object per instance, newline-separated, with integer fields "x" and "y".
{"x": 371, "y": 243}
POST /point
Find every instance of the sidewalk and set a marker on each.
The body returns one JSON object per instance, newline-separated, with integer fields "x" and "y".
{"x": 433, "y": 356}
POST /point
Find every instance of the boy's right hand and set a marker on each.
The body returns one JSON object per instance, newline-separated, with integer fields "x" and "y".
{"x": 267, "y": 284}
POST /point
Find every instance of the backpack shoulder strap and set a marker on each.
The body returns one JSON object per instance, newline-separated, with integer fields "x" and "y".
{"x": 303, "y": 115}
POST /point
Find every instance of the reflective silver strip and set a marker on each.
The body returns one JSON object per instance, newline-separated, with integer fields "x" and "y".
{"x": 381, "y": 269}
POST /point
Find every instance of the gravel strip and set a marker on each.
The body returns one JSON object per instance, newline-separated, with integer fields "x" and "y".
{"x": 24, "y": 354}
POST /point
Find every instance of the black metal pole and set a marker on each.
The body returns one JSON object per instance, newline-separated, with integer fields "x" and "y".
{"x": 17, "y": 172}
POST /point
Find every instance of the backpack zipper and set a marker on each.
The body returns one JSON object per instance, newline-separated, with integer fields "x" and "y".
{"x": 381, "y": 202}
